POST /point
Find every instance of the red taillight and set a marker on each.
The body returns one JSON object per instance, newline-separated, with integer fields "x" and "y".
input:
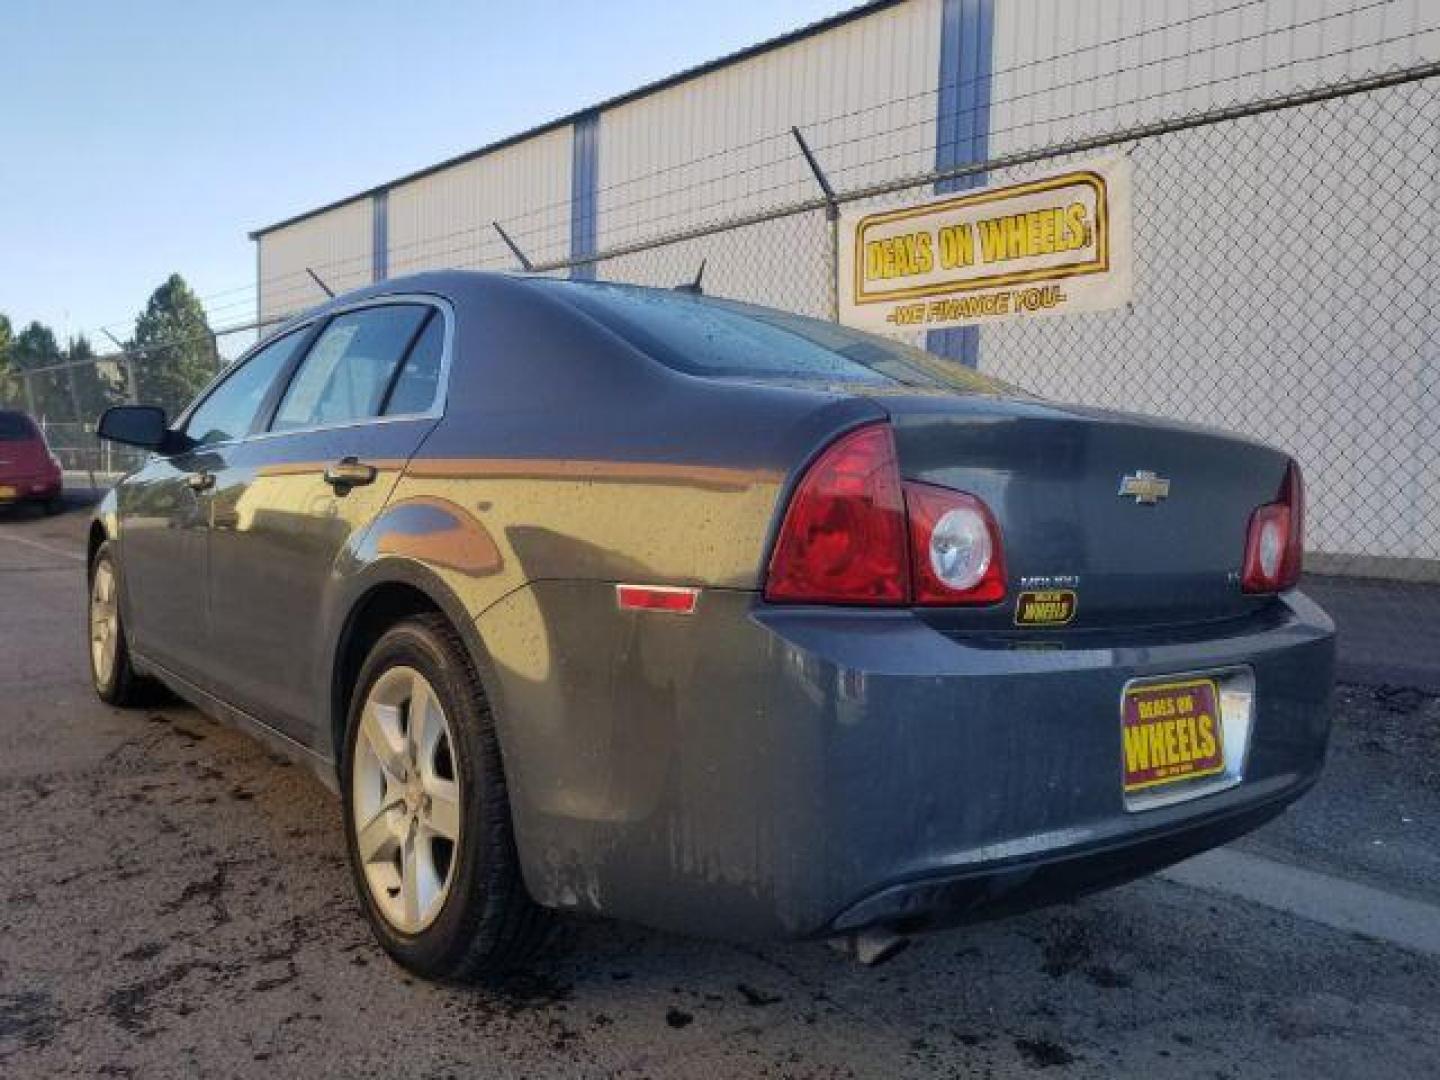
{"x": 843, "y": 537}
{"x": 955, "y": 547}
{"x": 854, "y": 534}
{"x": 1275, "y": 543}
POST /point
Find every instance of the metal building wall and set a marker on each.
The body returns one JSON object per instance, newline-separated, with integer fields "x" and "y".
{"x": 718, "y": 145}
{"x": 1067, "y": 68}
{"x": 707, "y": 147}
{"x": 336, "y": 244}
{"x": 444, "y": 219}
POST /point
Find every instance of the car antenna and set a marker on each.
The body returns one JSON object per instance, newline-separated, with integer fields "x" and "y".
{"x": 316, "y": 278}
{"x": 693, "y": 287}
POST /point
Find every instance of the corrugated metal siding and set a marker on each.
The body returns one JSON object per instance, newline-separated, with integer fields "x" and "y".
{"x": 719, "y": 145}
{"x": 863, "y": 91}
{"x": 444, "y": 219}
{"x": 336, "y": 245}
{"x": 1066, "y": 68}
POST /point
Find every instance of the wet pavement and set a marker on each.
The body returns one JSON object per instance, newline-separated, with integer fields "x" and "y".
{"x": 174, "y": 902}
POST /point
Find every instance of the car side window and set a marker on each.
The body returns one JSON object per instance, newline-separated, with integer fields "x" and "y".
{"x": 345, "y": 374}
{"x": 418, "y": 384}
{"x": 16, "y": 427}
{"x": 230, "y": 409}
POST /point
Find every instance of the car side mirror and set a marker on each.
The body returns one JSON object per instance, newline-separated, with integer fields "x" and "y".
{"x": 136, "y": 425}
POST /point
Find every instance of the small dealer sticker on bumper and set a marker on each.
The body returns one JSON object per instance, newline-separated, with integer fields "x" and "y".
{"x": 1171, "y": 732}
{"x": 1045, "y": 607}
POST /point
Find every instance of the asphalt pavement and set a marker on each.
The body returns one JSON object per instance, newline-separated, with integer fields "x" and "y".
{"x": 1389, "y": 631}
{"x": 174, "y": 902}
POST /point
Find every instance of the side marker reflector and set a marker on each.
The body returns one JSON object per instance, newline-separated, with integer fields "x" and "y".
{"x": 674, "y": 599}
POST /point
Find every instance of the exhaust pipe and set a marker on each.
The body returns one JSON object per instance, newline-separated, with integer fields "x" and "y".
{"x": 871, "y": 947}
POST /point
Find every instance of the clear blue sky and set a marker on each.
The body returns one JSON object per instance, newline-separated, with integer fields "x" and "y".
{"x": 149, "y": 136}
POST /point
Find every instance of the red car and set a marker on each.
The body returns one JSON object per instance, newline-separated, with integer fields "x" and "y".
{"x": 28, "y": 471}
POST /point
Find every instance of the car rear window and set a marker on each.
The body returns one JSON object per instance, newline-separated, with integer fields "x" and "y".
{"x": 725, "y": 339}
{"x": 15, "y": 427}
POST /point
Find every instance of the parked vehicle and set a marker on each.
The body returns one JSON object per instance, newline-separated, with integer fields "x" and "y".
{"x": 709, "y": 617}
{"x": 29, "y": 472}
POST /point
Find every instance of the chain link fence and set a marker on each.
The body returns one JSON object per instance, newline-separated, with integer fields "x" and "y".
{"x": 67, "y": 398}
{"x": 1285, "y": 266}
{"x": 1285, "y": 273}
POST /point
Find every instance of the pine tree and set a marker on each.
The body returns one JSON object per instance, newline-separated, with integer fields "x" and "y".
{"x": 175, "y": 348}
{"x": 96, "y": 384}
{"x": 12, "y": 394}
{"x": 35, "y": 350}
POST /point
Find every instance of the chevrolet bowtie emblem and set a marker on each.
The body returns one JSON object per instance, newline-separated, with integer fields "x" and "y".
{"x": 1145, "y": 487}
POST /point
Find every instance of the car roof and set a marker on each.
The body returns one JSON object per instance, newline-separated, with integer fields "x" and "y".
{"x": 456, "y": 285}
{"x": 448, "y": 282}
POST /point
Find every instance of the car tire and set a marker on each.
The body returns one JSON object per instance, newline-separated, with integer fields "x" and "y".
{"x": 462, "y": 914}
{"x": 54, "y": 506}
{"x": 111, "y": 671}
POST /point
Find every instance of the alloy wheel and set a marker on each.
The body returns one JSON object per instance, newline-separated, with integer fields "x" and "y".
{"x": 104, "y": 623}
{"x": 405, "y": 799}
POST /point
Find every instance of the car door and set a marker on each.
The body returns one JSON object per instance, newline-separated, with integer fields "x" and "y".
{"x": 289, "y": 502}
{"x": 165, "y": 518}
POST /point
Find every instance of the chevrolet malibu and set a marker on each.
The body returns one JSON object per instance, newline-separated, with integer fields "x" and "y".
{"x": 718, "y": 619}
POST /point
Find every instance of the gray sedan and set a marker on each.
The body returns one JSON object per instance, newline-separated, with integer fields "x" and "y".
{"x": 694, "y": 613}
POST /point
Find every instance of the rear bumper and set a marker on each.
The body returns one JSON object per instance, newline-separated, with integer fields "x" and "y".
{"x": 29, "y": 489}
{"x": 1007, "y": 887}
{"x": 757, "y": 772}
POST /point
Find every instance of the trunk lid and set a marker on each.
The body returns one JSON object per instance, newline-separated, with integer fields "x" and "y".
{"x": 1053, "y": 474}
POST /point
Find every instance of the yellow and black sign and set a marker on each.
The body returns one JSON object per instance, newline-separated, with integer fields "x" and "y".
{"x": 1048, "y": 245}
{"x": 1172, "y": 731}
{"x": 1045, "y": 607}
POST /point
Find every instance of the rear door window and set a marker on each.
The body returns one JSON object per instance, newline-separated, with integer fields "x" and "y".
{"x": 347, "y": 372}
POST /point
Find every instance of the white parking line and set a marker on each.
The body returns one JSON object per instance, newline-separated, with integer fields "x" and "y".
{"x": 42, "y": 547}
{"x": 1320, "y": 898}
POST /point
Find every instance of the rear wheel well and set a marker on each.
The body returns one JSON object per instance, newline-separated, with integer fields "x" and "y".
{"x": 377, "y": 611}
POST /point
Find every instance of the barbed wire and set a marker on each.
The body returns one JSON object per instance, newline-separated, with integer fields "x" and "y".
{"x": 488, "y": 253}
{"x": 800, "y": 177}
{"x": 417, "y": 251}
{"x": 662, "y": 237}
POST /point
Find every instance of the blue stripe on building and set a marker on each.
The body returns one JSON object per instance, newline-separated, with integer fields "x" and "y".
{"x": 962, "y": 126}
{"x": 584, "y": 189}
{"x": 380, "y": 236}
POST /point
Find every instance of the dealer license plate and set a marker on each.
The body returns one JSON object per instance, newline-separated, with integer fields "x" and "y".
{"x": 1172, "y": 732}
{"x": 7, "y": 492}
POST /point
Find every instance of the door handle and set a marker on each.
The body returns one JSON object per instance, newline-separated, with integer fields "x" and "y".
{"x": 200, "y": 481}
{"x": 347, "y": 473}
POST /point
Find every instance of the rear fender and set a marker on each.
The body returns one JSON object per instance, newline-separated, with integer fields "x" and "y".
{"x": 429, "y": 546}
